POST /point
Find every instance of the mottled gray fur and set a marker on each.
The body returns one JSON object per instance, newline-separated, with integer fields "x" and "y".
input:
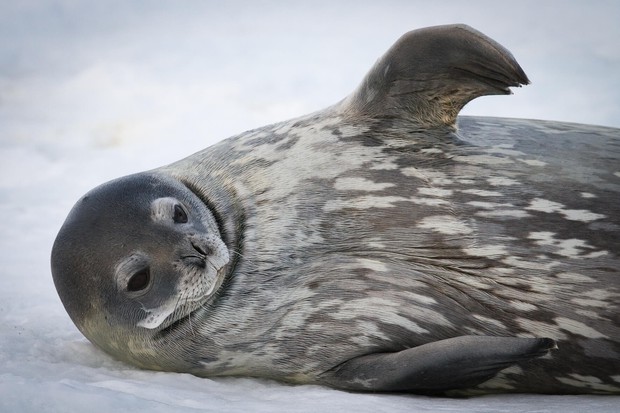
{"x": 368, "y": 230}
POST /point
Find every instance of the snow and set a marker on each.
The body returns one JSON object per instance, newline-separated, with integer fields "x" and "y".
{"x": 92, "y": 90}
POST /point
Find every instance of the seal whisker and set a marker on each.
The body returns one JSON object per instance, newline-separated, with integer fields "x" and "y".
{"x": 181, "y": 302}
{"x": 191, "y": 327}
{"x": 237, "y": 253}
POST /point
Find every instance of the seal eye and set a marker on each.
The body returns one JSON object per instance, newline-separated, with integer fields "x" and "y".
{"x": 180, "y": 216}
{"x": 139, "y": 280}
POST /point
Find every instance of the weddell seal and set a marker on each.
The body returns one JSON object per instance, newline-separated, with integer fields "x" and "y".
{"x": 377, "y": 245}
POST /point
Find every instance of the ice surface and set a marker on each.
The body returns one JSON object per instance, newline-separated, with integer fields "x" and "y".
{"x": 90, "y": 91}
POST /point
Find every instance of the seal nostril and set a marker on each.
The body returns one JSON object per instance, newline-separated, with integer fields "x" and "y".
{"x": 204, "y": 251}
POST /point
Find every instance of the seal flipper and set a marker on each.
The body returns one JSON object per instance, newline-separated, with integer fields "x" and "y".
{"x": 453, "y": 363}
{"x": 429, "y": 74}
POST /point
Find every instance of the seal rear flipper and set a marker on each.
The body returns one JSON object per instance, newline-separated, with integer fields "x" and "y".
{"x": 454, "y": 363}
{"x": 429, "y": 74}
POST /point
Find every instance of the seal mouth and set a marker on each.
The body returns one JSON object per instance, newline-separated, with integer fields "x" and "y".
{"x": 199, "y": 261}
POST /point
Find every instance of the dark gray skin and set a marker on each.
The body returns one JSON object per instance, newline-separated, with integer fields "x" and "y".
{"x": 377, "y": 245}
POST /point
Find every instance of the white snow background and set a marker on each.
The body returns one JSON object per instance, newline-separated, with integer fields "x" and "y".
{"x": 93, "y": 90}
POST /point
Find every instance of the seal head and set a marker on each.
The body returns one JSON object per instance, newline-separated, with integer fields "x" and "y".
{"x": 147, "y": 253}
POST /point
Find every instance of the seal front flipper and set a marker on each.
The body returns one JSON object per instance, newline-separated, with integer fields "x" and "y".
{"x": 429, "y": 74}
{"x": 448, "y": 364}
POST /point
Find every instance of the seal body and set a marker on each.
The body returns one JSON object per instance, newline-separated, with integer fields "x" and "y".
{"x": 379, "y": 244}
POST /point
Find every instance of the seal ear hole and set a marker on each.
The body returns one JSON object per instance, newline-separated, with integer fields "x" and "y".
{"x": 139, "y": 281}
{"x": 180, "y": 216}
